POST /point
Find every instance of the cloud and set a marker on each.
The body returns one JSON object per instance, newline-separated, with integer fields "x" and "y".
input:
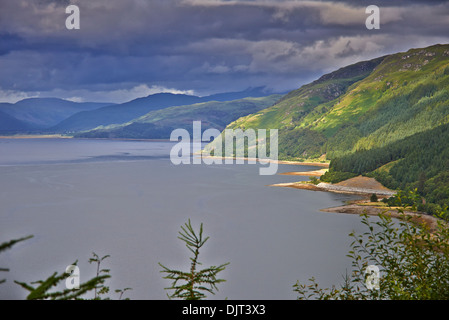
{"x": 142, "y": 90}
{"x": 12, "y": 96}
{"x": 117, "y": 96}
{"x": 200, "y": 45}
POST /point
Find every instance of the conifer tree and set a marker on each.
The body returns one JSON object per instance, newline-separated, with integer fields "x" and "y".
{"x": 41, "y": 290}
{"x": 7, "y": 245}
{"x": 191, "y": 285}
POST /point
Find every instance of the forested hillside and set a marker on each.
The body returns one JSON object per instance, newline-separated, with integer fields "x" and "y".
{"x": 420, "y": 162}
{"x": 387, "y": 118}
{"x": 362, "y": 106}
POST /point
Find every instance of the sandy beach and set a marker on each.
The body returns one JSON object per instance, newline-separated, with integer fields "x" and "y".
{"x": 313, "y": 173}
{"x": 358, "y": 185}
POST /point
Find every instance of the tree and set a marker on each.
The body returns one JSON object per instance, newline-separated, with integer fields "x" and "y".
{"x": 102, "y": 289}
{"x": 412, "y": 259}
{"x": 314, "y": 180}
{"x": 373, "y": 198}
{"x": 192, "y": 285}
{"x": 42, "y": 289}
{"x": 421, "y": 182}
{"x": 7, "y": 245}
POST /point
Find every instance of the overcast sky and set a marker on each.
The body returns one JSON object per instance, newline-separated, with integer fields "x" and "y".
{"x": 126, "y": 49}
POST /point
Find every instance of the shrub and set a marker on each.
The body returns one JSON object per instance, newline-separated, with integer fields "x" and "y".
{"x": 314, "y": 180}
{"x": 412, "y": 259}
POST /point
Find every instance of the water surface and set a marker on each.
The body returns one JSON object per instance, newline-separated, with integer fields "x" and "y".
{"x": 126, "y": 199}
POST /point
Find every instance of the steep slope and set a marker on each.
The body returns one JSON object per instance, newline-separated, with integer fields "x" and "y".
{"x": 290, "y": 111}
{"x": 159, "y": 124}
{"x": 419, "y": 161}
{"x": 391, "y": 124}
{"x": 46, "y": 112}
{"x": 362, "y": 106}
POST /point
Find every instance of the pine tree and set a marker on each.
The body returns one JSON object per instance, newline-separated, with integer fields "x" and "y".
{"x": 42, "y": 289}
{"x": 192, "y": 285}
{"x": 7, "y": 245}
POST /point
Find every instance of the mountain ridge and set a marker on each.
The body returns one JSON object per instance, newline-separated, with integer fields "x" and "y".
{"x": 41, "y": 113}
{"x": 125, "y": 112}
{"x": 343, "y": 111}
{"x": 158, "y": 124}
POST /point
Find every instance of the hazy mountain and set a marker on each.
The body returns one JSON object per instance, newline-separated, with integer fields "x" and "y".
{"x": 9, "y": 124}
{"x": 122, "y": 113}
{"x": 159, "y": 124}
{"x": 46, "y": 112}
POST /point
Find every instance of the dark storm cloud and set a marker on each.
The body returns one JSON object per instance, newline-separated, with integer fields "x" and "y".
{"x": 201, "y": 45}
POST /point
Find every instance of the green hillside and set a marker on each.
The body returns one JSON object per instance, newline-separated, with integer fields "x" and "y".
{"x": 366, "y": 105}
{"x": 159, "y": 124}
{"x": 420, "y": 161}
{"x": 386, "y": 118}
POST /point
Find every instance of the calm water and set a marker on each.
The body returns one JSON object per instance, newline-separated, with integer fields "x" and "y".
{"x": 126, "y": 199}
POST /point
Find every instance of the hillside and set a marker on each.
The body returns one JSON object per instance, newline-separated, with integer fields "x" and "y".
{"x": 387, "y": 118}
{"x": 159, "y": 124}
{"x": 9, "y": 124}
{"x": 46, "y": 112}
{"x": 128, "y": 111}
{"x": 362, "y": 106}
{"x": 124, "y": 112}
{"x": 417, "y": 162}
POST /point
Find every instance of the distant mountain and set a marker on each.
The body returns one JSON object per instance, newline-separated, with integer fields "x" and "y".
{"x": 46, "y": 112}
{"x": 9, "y": 124}
{"x": 122, "y": 113}
{"x": 159, "y": 124}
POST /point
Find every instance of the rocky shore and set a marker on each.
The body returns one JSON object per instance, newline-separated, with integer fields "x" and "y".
{"x": 355, "y": 190}
{"x": 358, "y": 185}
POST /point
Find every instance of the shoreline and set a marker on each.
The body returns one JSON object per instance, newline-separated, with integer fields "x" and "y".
{"x": 36, "y": 136}
{"x": 364, "y": 206}
{"x": 327, "y": 187}
{"x": 60, "y": 136}
{"x": 354, "y": 207}
{"x": 313, "y": 173}
{"x": 125, "y": 139}
{"x": 361, "y": 206}
{"x": 308, "y": 163}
